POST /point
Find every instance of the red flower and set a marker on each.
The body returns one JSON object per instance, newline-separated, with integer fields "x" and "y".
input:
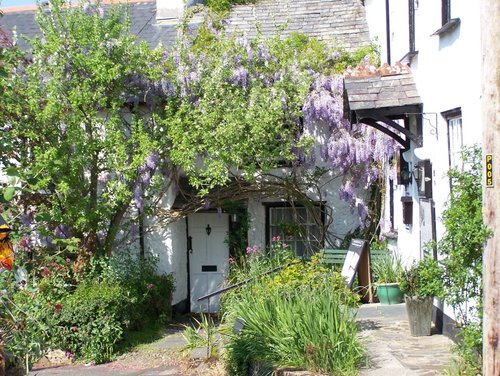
{"x": 58, "y": 307}
{"x": 45, "y": 272}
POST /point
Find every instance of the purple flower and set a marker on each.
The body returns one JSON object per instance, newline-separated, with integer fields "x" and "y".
{"x": 240, "y": 77}
{"x": 262, "y": 53}
{"x": 138, "y": 196}
{"x": 152, "y": 160}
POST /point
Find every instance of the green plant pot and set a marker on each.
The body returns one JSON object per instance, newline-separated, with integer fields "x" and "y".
{"x": 389, "y": 293}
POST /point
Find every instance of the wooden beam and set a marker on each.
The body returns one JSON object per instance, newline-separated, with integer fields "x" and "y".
{"x": 373, "y": 123}
{"x": 490, "y": 49}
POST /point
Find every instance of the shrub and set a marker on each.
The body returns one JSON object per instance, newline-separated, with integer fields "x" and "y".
{"x": 92, "y": 320}
{"x": 423, "y": 278}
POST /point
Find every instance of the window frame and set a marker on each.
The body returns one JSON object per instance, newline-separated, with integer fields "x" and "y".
{"x": 451, "y": 117}
{"x": 272, "y": 205}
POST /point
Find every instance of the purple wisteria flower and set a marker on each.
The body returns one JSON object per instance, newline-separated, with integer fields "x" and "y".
{"x": 240, "y": 77}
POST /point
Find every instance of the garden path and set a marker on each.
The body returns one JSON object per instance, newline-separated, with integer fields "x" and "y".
{"x": 385, "y": 332}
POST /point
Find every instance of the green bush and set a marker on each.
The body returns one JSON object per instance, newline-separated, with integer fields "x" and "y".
{"x": 423, "y": 278}
{"x": 92, "y": 320}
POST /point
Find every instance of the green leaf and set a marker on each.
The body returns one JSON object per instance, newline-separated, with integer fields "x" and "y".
{"x": 43, "y": 217}
{"x": 11, "y": 171}
{"x": 8, "y": 194}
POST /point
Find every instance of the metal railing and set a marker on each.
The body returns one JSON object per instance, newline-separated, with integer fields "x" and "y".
{"x": 244, "y": 282}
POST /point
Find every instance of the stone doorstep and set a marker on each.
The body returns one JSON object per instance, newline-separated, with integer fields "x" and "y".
{"x": 295, "y": 372}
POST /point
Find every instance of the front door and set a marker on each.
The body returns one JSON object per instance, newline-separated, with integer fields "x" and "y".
{"x": 208, "y": 259}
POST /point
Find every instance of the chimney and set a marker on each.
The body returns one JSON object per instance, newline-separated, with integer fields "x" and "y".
{"x": 169, "y": 10}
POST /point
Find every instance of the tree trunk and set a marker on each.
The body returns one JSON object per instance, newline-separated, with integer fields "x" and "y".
{"x": 490, "y": 45}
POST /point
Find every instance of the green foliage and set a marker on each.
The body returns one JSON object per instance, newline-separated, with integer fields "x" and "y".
{"x": 201, "y": 333}
{"x": 387, "y": 267}
{"x": 462, "y": 248}
{"x": 92, "y": 320}
{"x": 69, "y": 134}
{"x": 423, "y": 278}
{"x": 150, "y": 293}
{"x": 23, "y": 313}
{"x": 222, "y": 6}
{"x": 308, "y": 327}
{"x": 43, "y": 308}
{"x": 301, "y": 315}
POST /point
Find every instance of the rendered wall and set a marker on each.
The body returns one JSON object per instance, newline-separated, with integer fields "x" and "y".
{"x": 447, "y": 73}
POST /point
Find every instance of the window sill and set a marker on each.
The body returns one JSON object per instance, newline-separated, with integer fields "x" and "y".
{"x": 408, "y": 57}
{"x": 447, "y": 27}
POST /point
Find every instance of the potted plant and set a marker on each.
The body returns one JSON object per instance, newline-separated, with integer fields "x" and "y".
{"x": 386, "y": 268}
{"x": 421, "y": 283}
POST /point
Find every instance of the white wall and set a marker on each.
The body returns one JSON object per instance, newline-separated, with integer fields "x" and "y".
{"x": 169, "y": 244}
{"x": 447, "y": 75}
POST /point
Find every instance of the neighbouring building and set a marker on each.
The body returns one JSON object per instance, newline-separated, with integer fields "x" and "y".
{"x": 440, "y": 42}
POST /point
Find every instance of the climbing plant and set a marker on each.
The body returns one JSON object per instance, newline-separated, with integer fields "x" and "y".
{"x": 462, "y": 248}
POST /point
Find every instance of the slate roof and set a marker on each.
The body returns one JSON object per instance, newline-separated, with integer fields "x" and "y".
{"x": 342, "y": 22}
{"x": 382, "y": 88}
{"x": 142, "y": 14}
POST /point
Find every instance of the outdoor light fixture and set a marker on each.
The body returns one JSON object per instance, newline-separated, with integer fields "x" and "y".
{"x": 422, "y": 173}
{"x": 208, "y": 229}
{"x": 6, "y": 249}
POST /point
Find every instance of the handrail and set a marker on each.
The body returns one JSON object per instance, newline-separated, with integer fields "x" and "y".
{"x": 248, "y": 280}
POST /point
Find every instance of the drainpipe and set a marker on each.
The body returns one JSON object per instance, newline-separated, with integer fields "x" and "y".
{"x": 388, "y": 31}
{"x": 189, "y": 249}
{"x": 142, "y": 246}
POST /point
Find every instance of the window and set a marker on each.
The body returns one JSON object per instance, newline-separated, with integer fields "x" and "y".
{"x": 448, "y": 24}
{"x": 296, "y": 226}
{"x": 455, "y": 137}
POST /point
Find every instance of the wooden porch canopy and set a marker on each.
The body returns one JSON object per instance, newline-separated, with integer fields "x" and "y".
{"x": 379, "y": 97}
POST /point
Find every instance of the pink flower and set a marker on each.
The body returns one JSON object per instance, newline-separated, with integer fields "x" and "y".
{"x": 150, "y": 286}
{"x": 45, "y": 272}
{"x": 68, "y": 260}
{"x": 276, "y": 238}
{"x": 231, "y": 260}
{"x": 249, "y": 250}
{"x": 69, "y": 354}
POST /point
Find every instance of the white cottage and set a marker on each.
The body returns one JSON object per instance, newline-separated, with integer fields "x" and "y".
{"x": 194, "y": 247}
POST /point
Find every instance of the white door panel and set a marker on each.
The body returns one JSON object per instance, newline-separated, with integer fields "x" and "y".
{"x": 208, "y": 259}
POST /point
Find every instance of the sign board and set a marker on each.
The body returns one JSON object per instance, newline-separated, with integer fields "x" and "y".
{"x": 489, "y": 170}
{"x": 357, "y": 249}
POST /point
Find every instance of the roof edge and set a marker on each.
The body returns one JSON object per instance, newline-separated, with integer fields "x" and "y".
{"x": 27, "y": 8}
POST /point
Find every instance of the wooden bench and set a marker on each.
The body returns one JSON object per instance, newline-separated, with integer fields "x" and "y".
{"x": 337, "y": 256}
